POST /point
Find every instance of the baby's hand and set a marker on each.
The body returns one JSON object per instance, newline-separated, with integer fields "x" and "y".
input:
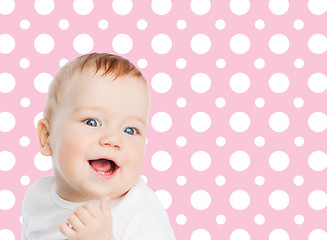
{"x": 89, "y": 222}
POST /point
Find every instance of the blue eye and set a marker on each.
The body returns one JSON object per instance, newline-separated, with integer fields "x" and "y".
{"x": 92, "y": 122}
{"x": 130, "y": 131}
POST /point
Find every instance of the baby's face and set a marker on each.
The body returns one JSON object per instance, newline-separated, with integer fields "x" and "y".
{"x": 98, "y": 137}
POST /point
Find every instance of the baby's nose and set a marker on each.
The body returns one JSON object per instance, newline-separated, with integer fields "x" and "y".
{"x": 110, "y": 140}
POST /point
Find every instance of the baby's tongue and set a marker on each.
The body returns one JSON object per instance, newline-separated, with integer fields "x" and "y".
{"x": 101, "y": 165}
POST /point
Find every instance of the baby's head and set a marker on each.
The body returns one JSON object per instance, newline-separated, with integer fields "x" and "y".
{"x": 94, "y": 127}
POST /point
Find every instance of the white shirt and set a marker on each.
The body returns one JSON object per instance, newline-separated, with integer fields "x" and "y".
{"x": 139, "y": 215}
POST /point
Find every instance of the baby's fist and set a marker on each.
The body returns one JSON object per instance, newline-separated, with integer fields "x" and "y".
{"x": 89, "y": 222}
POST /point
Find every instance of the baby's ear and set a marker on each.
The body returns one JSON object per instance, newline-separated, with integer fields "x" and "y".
{"x": 43, "y": 128}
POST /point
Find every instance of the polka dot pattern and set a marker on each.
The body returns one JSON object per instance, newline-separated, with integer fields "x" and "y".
{"x": 238, "y": 125}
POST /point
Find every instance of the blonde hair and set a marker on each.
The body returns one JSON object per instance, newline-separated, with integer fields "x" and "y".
{"x": 111, "y": 64}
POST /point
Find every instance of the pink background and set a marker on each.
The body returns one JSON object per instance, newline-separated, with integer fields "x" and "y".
{"x": 211, "y": 190}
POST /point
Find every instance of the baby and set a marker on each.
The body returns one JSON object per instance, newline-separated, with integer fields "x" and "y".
{"x": 94, "y": 128}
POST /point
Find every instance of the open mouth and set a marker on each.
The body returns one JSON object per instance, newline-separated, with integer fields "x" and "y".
{"x": 104, "y": 167}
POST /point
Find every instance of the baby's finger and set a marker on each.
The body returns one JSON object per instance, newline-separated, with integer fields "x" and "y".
{"x": 93, "y": 209}
{"x": 66, "y": 229}
{"x": 83, "y": 214}
{"x": 105, "y": 206}
{"x": 75, "y": 222}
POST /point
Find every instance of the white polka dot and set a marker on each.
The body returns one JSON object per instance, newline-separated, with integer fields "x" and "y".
{"x": 161, "y": 122}
{"x": 318, "y": 234}
{"x": 221, "y": 141}
{"x": 122, "y": 7}
{"x": 298, "y": 102}
{"x": 7, "y": 161}
{"x": 240, "y": 43}
{"x": 161, "y": 82}
{"x": 317, "y": 7}
{"x": 25, "y": 102}
{"x": 161, "y": 161}
{"x": 7, "y": 122}
{"x": 63, "y": 24}
{"x": 240, "y": 161}
{"x": 299, "y": 63}
{"x": 63, "y": 62}
{"x": 220, "y": 24}
{"x": 239, "y": 7}
{"x": 181, "y": 24}
{"x": 42, "y": 163}
{"x": 220, "y": 180}
{"x": 83, "y": 43}
{"x": 240, "y": 82}
{"x": 279, "y": 122}
{"x": 259, "y": 219}
{"x": 161, "y": 43}
{"x": 260, "y": 24}
{"x": 279, "y": 200}
{"x": 317, "y": 122}
{"x": 298, "y": 180}
{"x": 200, "y": 121}
{"x": 103, "y": 24}
{"x": 142, "y": 63}
{"x": 25, "y": 180}
{"x": 165, "y": 198}
{"x": 259, "y": 102}
{"x": 83, "y": 7}
{"x": 259, "y": 180}
{"x": 44, "y": 7}
{"x": 240, "y": 234}
{"x": 221, "y": 63}
{"x": 42, "y": 82}
{"x": 181, "y": 102}
{"x": 181, "y": 63}
{"x": 24, "y": 63}
{"x": 200, "y": 234}
{"x": 239, "y": 200}
{"x": 279, "y": 43}
{"x": 259, "y": 141}
{"x": 7, "y": 43}
{"x": 142, "y": 24}
{"x": 317, "y": 44}
{"x": 278, "y": 7}
{"x": 44, "y": 43}
{"x": 279, "y": 161}
{"x": 200, "y": 200}
{"x": 200, "y": 161}
{"x": 259, "y": 63}
{"x": 24, "y": 141}
{"x": 6, "y": 8}
{"x": 181, "y": 180}
{"x": 181, "y": 219}
{"x": 240, "y": 122}
{"x": 317, "y": 161}
{"x": 24, "y": 24}
{"x": 200, "y": 43}
{"x": 220, "y": 102}
{"x": 279, "y": 82}
{"x": 181, "y": 141}
{"x": 317, "y": 200}
{"x": 298, "y": 24}
{"x": 299, "y": 141}
{"x": 200, "y": 7}
{"x": 317, "y": 82}
{"x": 279, "y": 234}
{"x": 299, "y": 219}
{"x": 6, "y": 234}
{"x": 200, "y": 82}
{"x": 7, "y": 82}
{"x": 37, "y": 118}
{"x": 221, "y": 219}
{"x": 161, "y": 7}
{"x": 7, "y": 199}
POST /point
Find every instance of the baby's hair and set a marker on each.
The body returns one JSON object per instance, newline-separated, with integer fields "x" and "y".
{"x": 109, "y": 64}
